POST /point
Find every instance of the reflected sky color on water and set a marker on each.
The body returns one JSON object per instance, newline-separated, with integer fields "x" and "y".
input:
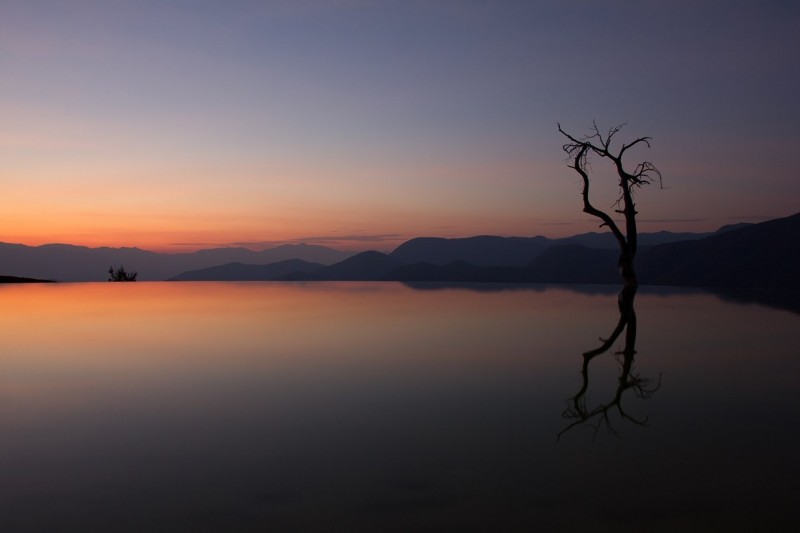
{"x": 365, "y": 406}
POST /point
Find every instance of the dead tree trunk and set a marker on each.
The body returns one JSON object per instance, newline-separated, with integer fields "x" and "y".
{"x": 578, "y": 151}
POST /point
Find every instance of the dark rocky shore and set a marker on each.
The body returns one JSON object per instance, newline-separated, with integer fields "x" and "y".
{"x": 15, "y": 279}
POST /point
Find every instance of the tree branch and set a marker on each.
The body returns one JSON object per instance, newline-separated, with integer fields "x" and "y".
{"x": 644, "y": 173}
{"x": 578, "y": 151}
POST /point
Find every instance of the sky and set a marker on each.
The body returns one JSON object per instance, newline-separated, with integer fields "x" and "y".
{"x": 175, "y": 125}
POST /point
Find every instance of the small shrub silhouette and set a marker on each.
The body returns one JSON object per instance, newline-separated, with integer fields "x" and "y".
{"x": 120, "y": 274}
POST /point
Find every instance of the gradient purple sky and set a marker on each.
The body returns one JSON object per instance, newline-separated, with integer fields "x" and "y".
{"x": 175, "y": 125}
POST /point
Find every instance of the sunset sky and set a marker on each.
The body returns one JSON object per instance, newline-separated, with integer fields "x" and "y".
{"x": 178, "y": 125}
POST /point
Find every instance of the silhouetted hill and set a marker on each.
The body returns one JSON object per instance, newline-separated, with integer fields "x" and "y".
{"x": 557, "y": 264}
{"x": 730, "y": 227}
{"x": 570, "y": 263}
{"x": 753, "y": 255}
{"x": 607, "y": 241}
{"x": 60, "y": 261}
{"x": 78, "y": 263}
{"x": 306, "y": 252}
{"x": 764, "y": 255}
{"x": 16, "y": 279}
{"x": 366, "y": 266}
{"x": 458, "y": 271}
{"x": 479, "y": 251}
{"x": 514, "y": 251}
{"x": 738, "y": 256}
{"x": 244, "y": 272}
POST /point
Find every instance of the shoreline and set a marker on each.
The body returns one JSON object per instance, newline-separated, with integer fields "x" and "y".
{"x": 17, "y": 279}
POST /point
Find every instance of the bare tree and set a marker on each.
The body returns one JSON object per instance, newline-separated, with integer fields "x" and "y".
{"x": 578, "y": 151}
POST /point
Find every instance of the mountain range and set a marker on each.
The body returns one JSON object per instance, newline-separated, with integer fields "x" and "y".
{"x": 743, "y": 255}
{"x": 737, "y": 256}
{"x": 479, "y": 258}
{"x": 64, "y": 262}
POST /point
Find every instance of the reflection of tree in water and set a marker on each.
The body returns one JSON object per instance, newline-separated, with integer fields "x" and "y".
{"x": 577, "y": 410}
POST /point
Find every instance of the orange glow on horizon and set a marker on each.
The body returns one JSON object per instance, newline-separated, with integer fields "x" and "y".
{"x": 105, "y": 196}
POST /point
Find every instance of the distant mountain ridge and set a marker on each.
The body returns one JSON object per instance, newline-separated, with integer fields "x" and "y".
{"x": 366, "y": 266}
{"x": 741, "y": 255}
{"x": 429, "y": 255}
{"x": 748, "y": 256}
{"x": 765, "y": 255}
{"x": 244, "y": 272}
{"x": 488, "y": 250}
{"x": 65, "y": 262}
{"x": 483, "y": 250}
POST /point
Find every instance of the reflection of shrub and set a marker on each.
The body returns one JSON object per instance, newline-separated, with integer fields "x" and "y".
{"x": 120, "y": 274}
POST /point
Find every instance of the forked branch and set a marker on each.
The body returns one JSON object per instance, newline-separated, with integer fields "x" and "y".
{"x": 578, "y": 151}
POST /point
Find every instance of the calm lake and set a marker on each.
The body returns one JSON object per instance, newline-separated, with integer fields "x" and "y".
{"x": 384, "y": 407}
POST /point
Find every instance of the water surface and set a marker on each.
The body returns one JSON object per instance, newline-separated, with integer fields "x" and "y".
{"x": 378, "y": 406}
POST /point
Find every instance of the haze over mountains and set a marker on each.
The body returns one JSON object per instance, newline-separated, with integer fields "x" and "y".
{"x": 486, "y": 250}
{"x": 744, "y": 255}
{"x": 64, "y": 262}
